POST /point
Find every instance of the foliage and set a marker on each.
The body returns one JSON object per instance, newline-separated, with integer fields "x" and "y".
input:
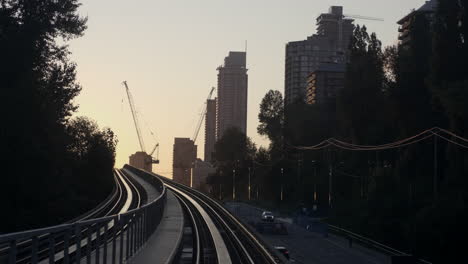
{"x": 271, "y": 118}
{"x": 43, "y": 181}
{"x": 234, "y": 153}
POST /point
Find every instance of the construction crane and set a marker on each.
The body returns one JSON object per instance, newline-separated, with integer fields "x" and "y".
{"x": 202, "y": 117}
{"x": 137, "y": 127}
{"x": 363, "y": 17}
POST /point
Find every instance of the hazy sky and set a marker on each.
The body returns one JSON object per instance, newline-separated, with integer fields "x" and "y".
{"x": 168, "y": 51}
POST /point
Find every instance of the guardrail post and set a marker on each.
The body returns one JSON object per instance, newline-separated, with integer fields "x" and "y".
{"x": 34, "y": 250}
{"x": 98, "y": 242}
{"x": 88, "y": 246}
{"x": 12, "y": 256}
{"x": 121, "y": 229}
{"x": 78, "y": 242}
{"x": 114, "y": 238}
{"x": 51, "y": 248}
{"x": 66, "y": 245}
{"x": 127, "y": 243}
{"x": 104, "y": 254}
{"x": 350, "y": 241}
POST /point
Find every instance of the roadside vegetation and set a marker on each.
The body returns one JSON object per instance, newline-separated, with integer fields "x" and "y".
{"x": 54, "y": 167}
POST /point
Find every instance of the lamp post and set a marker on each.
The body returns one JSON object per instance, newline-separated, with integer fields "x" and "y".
{"x": 281, "y": 193}
{"x": 315, "y": 181}
{"x": 249, "y": 183}
{"x": 234, "y": 184}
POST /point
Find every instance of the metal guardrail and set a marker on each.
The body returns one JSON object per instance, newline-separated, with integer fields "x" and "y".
{"x": 370, "y": 243}
{"x": 111, "y": 239}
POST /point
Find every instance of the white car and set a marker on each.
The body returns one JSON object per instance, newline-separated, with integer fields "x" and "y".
{"x": 268, "y": 216}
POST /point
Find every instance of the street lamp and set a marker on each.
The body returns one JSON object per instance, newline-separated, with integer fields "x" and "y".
{"x": 249, "y": 183}
{"x": 281, "y": 194}
{"x": 233, "y": 184}
{"x": 315, "y": 181}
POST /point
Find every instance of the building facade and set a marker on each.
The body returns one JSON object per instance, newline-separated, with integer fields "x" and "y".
{"x": 325, "y": 83}
{"x": 141, "y": 160}
{"x": 329, "y": 45}
{"x": 232, "y": 94}
{"x": 210, "y": 129}
{"x": 184, "y": 155}
{"x": 428, "y": 10}
{"x": 201, "y": 171}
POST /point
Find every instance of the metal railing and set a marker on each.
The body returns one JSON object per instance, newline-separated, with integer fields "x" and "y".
{"x": 353, "y": 237}
{"x": 111, "y": 239}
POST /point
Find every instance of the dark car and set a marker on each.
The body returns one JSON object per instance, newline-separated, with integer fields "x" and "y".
{"x": 283, "y": 251}
{"x": 268, "y": 216}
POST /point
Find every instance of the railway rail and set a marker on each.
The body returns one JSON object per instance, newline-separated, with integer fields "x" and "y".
{"x": 233, "y": 241}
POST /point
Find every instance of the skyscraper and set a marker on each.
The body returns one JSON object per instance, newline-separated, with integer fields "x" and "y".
{"x": 185, "y": 153}
{"x": 232, "y": 93}
{"x": 303, "y": 57}
{"x": 210, "y": 129}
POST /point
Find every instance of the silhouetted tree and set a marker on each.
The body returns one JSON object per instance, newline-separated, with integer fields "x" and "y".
{"x": 38, "y": 82}
{"x": 271, "y": 118}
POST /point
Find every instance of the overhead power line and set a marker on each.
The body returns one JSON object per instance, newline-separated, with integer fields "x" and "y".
{"x": 426, "y": 134}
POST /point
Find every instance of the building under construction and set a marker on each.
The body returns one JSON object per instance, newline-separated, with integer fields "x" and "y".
{"x": 142, "y": 161}
{"x": 185, "y": 153}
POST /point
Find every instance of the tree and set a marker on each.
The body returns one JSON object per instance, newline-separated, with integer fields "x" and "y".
{"x": 39, "y": 82}
{"x": 271, "y": 117}
{"x": 361, "y": 102}
{"x": 234, "y": 151}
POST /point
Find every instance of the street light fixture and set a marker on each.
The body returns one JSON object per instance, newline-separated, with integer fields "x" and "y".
{"x": 281, "y": 194}
{"x": 233, "y": 184}
{"x": 315, "y": 181}
{"x": 249, "y": 183}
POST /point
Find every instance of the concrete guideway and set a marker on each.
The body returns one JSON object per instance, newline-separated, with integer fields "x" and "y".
{"x": 222, "y": 252}
{"x": 151, "y": 192}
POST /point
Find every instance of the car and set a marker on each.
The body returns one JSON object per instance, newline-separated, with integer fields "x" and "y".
{"x": 283, "y": 251}
{"x": 268, "y": 216}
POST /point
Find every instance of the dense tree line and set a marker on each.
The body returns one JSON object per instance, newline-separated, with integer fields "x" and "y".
{"x": 54, "y": 167}
{"x": 390, "y": 94}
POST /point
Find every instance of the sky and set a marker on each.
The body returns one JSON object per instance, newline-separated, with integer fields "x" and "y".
{"x": 168, "y": 52}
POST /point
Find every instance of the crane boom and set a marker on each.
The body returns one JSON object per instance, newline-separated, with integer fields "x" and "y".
{"x": 202, "y": 117}
{"x": 363, "y": 17}
{"x": 135, "y": 117}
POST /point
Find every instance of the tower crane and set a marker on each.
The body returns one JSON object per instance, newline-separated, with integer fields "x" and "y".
{"x": 202, "y": 117}
{"x": 137, "y": 127}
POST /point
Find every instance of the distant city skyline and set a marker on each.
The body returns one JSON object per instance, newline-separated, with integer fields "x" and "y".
{"x": 169, "y": 52}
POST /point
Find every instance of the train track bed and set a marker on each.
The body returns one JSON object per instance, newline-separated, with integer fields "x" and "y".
{"x": 241, "y": 244}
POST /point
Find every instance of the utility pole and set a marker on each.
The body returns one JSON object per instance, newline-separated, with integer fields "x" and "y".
{"x": 330, "y": 180}
{"x": 315, "y": 181}
{"x": 435, "y": 183}
{"x": 249, "y": 183}
{"x": 234, "y": 184}
{"x": 281, "y": 193}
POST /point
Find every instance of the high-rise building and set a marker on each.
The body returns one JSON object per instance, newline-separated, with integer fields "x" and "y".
{"x": 201, "y": 171}
{"x": 232, "y": 94}
{"x": 324, "y": 83}
{"x": 141, "y": 160}
{"x": 303, "y": 57}
{"x": 210, "y": 129}
{"x": 184, "y": 155}
{"x": 428, "y": 10}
